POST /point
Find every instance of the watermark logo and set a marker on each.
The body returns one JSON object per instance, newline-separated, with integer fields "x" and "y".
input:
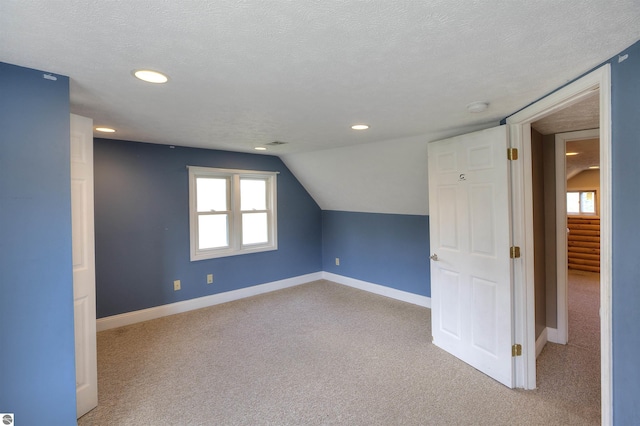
{"x": 7, "y": 418}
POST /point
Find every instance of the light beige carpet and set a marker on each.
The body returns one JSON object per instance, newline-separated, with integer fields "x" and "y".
{"x": 572, "y": 372}
{"x": 316, "y": 354}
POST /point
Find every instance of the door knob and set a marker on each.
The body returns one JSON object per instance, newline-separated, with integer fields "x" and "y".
{"x": 434, "y": 256}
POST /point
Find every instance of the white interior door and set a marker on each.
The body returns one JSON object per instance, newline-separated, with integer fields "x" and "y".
{"x": 84, "y": 292}
{"x": 469, "y": 223}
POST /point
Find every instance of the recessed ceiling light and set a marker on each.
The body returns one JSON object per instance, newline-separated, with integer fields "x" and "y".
{"x": 594, "y": 167}
{"x": 260, "y": 148}
{"x": 477, "y": 106}
{"x": 359, "y": 127}
{"x": 105, "y": 129}
{"x": 571, "y": 153}
{"x": 151, "y": 76}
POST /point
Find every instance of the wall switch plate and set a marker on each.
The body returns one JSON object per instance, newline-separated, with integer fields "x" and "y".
{"x": 337, "y": 261}
{"x": 210, "y": 279}
{"x": 176, "y": 285}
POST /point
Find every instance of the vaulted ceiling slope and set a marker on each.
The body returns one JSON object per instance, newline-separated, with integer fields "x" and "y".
{"x": 246, "y": 73}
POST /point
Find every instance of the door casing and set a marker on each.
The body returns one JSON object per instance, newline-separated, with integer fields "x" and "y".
{"x": 561, "y": 332}
{"x": 524, "y": 312}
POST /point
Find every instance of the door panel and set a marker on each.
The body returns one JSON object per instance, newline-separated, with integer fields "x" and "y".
{"x": 482, "y": 229}
{"x": 470, "y": 234}
{"x": 447, "y": 217}
{"x": 450, "y": 317}
{"x": 483, "y": 316}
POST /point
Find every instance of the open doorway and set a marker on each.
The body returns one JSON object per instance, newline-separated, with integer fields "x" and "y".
{"x": 566, "y": 220}
{"x": 599, "y": 82}
{"x": 577, "y": 208}
{"x": 582, "y": 209}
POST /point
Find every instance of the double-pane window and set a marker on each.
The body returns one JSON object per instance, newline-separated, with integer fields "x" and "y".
{"x": 231, "y": 212}
{"x": 581, "y": 202}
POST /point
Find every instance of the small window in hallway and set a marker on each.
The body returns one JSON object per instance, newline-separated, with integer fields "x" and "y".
{"x": 581, "y": 202}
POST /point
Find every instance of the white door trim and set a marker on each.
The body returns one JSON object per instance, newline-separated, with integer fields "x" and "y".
{"x": 562, "y": 325}
{"x": 520, "y": 129}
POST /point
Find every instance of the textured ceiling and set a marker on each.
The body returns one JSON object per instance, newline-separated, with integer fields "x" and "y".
{"x": 588, "y": 155}
{"x": 246, "y": 73}
{"x": 584, "y": 115}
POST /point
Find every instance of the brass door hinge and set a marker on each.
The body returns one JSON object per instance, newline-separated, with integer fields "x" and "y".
{"x": 516, "y": 350}
{"x": 514, "y": 252}
{"x": 512, "y": 153}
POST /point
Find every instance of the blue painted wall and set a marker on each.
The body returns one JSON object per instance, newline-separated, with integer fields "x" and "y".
{"x": 37, "y": 362}
{"x": 386, "y": 249}
{"x": 625, "y": 98}
{"x": 142, "y": 227}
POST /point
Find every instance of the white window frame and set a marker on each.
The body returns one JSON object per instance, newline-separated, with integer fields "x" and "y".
{"x": 595, "y": 203}
{"x": 235, "y": 246}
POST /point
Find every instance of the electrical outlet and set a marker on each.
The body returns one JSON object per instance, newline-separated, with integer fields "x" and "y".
{"x": 337, "y": 261}
{"x": 176, "y": 285}
{"x": 210, "y": 279}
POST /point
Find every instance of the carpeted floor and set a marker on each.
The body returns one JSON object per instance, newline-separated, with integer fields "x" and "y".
{"x": 316, "y": 354}
{"x": 572, "y": 372}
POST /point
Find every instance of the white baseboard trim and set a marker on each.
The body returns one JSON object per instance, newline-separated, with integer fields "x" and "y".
{"x": 553, "y": 336}
{"x": 129, "y": 318}
{"x": 404, "y": 296}
{"x": 541, "y": 341}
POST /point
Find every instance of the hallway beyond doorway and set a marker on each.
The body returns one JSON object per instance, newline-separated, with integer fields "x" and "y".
{"x": 571, "y": 373}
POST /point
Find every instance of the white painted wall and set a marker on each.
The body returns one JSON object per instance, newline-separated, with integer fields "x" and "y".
{"x": 380, "y": 177}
